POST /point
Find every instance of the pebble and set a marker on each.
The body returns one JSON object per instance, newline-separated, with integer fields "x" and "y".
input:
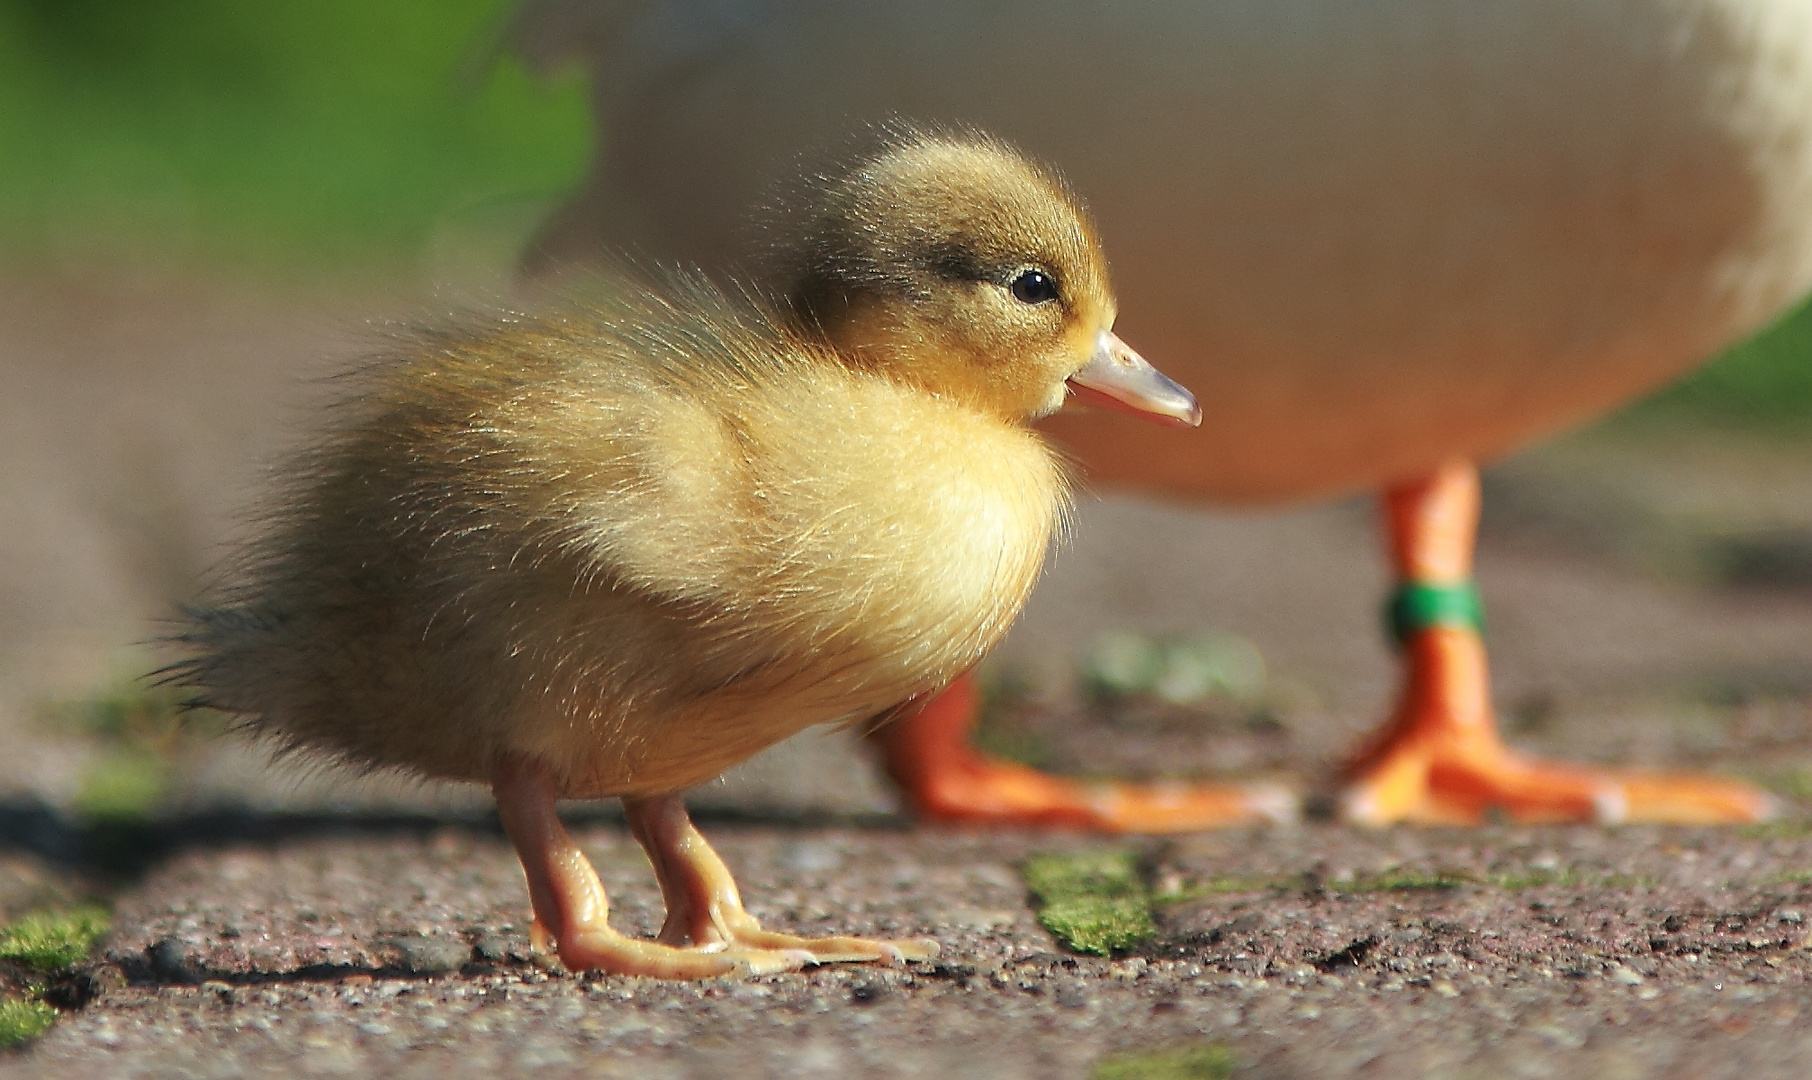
{"x": 491, "y": 948}
{"x": 1559, "y": 1036}
{"x": 972, "y": 918}
{"x": 869, "y": 991}
{"x": 431, "y": 956}
{"x": 170, "y": 962}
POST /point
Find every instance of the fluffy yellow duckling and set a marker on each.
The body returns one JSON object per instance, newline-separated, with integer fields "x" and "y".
{"x": 613, "y": 550}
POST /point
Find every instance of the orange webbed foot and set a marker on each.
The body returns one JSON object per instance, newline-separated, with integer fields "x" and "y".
{"x": 944, "y": 779}
{"x": 707, "y": 933}
{"x": 1450, "y": 779}
{"x": 704, "y": 907}
{"x": 593, "y": 947}
{"x": 1440, "y": 760}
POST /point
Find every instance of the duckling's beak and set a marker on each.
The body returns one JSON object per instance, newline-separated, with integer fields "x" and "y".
{"x": 1118, "y": 378}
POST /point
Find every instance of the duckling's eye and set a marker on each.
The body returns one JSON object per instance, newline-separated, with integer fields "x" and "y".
{"x": 1033, "y": 287}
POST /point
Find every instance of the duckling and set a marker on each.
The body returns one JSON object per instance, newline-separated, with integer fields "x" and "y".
{"x": 613, "y": 549}
{"x": 1383, "y": 241}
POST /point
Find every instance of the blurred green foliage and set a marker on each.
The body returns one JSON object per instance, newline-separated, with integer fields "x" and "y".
{"x": 330, "y": 135}
{"x": 1178, "y": 671}
{"x": 1003, "y": 728}
{"x": 140, "y": 732}
{"x": 1763, "y": 384}
{"x": 345, "y": 134}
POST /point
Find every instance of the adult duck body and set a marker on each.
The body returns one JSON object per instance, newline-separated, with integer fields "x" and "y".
{"x": 1381, "y": 241}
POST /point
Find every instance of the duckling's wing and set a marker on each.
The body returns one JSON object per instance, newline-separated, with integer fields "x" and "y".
{"x": 426, "y": 567}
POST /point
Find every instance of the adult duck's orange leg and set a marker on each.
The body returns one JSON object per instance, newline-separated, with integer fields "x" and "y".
{"x": 1440, "y": 758}
{"x": 945, "y": 779}
{"x": 707, "y": 931}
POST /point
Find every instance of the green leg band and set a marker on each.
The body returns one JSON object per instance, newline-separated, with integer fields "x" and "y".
{"x": 1418, "y": 606}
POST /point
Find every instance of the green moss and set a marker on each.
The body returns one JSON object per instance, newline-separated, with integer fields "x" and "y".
{"x": 23, "y": 1021}
{"x": 47, "y": 943}
{"x": 1407, "y": 881}
{"x": 1100, "y": 926}
{"x": 1094, "y": 902}
{"x": 52, "y": 941}
{"x": 1535, "y": 879}
{"x": 1210, "y": 1062}
{"x": 1089, "y": 873}
{"x": 1224, "y": 886}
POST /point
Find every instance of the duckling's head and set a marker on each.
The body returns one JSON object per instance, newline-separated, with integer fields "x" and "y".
{"x": 950, "y": 262}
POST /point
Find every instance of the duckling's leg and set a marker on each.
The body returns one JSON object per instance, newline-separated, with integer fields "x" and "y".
{"x": 571, "y": 910}
{"x": 945, "y": 779}
{"x": 1440, "y": 759}
{"x": 705, "y": 910}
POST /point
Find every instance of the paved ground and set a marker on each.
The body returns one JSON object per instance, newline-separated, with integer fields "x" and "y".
{"x": 1646, "y": 607}
{"x": 1574, "y": 952}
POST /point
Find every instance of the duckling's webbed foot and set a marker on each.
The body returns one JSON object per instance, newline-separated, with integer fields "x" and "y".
{"x": 1440, "y": 760}
{"x": 705, "y": 910}
{"x": 928, "y": 754}
{"x": 707, "y": 931}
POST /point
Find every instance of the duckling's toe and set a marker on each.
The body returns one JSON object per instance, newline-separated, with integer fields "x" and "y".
{"x": 765, "y": 953}
{"x": 602, "y": 949}
{"x": 839, "y": 950}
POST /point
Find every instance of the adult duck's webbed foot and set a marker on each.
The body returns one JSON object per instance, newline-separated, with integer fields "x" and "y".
{"x": 1440, "y": 759}
{"x": 707, "y": 932}
{"x": 945, "y": 779}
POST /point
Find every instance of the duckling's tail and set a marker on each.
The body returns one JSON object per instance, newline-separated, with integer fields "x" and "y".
{"x": 211, "y": 638}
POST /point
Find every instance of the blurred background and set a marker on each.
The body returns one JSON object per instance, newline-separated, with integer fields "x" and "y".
{"x": 206, "y": 206}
